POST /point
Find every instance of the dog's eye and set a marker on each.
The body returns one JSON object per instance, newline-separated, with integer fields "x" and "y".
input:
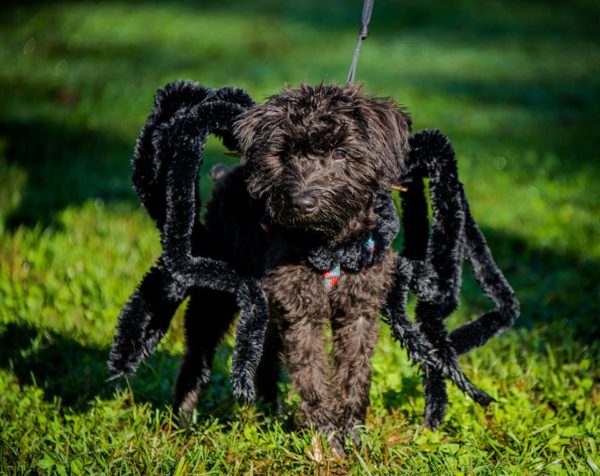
{"x": 339, "y": 154}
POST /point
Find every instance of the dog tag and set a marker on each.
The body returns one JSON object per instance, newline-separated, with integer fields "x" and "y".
{"x": 331, "y": 277}
{"x": 370, "y": 244}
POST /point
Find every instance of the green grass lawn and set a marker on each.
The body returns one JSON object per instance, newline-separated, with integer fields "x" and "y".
{"x": 515, "y": 85}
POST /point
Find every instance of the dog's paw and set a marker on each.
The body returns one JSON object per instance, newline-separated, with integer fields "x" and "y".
{"x": 335, "y": 443}
{"x": 353, "y": 435}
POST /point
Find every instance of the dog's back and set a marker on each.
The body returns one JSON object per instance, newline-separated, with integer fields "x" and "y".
{"x": 233, "y": 222}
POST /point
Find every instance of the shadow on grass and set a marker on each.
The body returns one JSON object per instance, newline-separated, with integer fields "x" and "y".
{"x": 77, "y": 373}
{"x": 549, "y": 119}
{"x": 64, "y": 165}
{"x": 410, "y": 389}
{"x": 553, "y": 288}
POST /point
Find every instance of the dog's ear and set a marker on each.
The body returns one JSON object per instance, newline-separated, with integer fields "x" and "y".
{"x": 247, "y": 128}
{"x": 388, "y": 130}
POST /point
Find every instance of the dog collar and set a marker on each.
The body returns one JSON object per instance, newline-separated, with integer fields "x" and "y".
{"x": 332, "y": 276}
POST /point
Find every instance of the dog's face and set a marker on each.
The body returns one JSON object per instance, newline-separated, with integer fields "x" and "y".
{"x": 317, "y": 155}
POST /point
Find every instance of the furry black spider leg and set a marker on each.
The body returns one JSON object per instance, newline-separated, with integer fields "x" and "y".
{"x": 166, "y": 165}
{"x": 436, "y": 276}
{"x": 150, "y": 158}
{"x": 427, "y": 343}
{"x": 386, "y": 228}
{"x": 415, "y": 228}
{"x": 147, "y": 314}
{"x": 438, "y": 284}
{"x": 193, "y": 271}
{"x": 418, "y": 348}
{"x": 143, "y": 321}
{"x": 495, "y": 286}
{"x": 487, "y": 273}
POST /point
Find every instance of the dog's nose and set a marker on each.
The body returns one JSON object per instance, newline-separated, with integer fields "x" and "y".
{"x": 304, "y": 203}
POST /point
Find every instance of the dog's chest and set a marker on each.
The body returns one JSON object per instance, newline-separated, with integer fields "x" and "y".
{"x": 299, "y": 290}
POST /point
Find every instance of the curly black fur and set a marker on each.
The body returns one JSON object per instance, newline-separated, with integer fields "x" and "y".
{"x": 312, "y": 194}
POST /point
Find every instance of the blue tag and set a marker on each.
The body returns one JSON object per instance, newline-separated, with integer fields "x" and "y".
{"x": 370, "y": 244}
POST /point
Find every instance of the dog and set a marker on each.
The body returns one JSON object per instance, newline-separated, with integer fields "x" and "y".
{"x": 300, "y": 214}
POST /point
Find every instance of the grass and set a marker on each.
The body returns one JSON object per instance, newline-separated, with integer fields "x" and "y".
{"x": 516, "y": 87}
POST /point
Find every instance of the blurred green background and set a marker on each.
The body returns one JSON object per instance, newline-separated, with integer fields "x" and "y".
{"x": 516, "y": 87}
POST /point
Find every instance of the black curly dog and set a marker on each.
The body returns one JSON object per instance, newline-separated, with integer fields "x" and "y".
{"x": 298, "y": 238}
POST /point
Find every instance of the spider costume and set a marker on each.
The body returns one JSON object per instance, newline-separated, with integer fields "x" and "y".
{"x": 166, "y": 166}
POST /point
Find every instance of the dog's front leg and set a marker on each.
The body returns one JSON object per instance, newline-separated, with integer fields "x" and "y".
{"x": 299, "y": 304}
{"x": 356, "y": 300}
{"x": 305, "y": 353}
{"x": 354, "y": 339}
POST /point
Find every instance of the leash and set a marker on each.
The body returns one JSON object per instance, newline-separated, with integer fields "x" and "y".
{"x": 363, "y": 33}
